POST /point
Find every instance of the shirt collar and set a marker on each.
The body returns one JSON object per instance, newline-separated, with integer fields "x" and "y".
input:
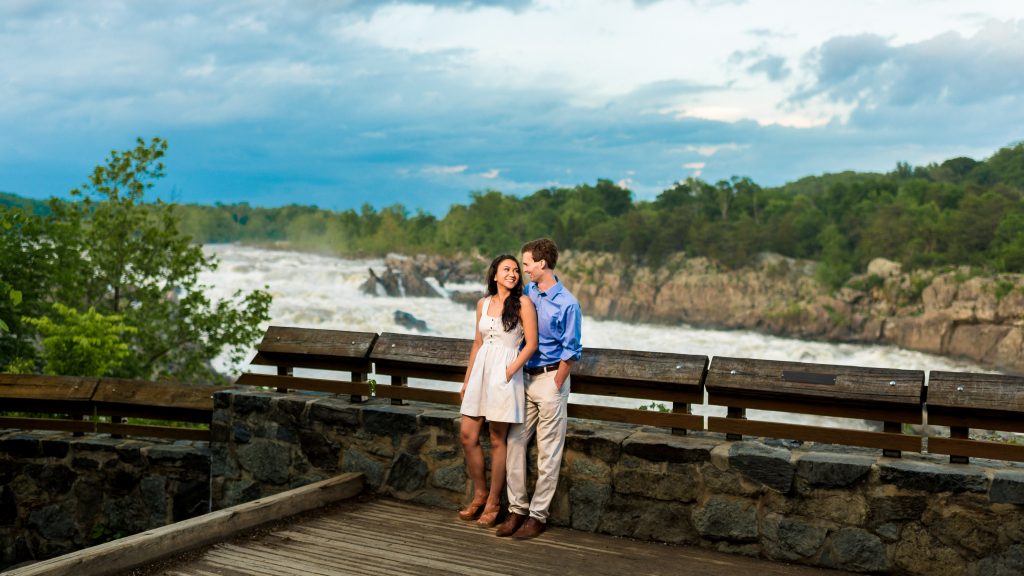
{"x": 550, "y": 292}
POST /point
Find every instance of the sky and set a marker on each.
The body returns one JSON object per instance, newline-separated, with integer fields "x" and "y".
{"x": 343, "y": 103}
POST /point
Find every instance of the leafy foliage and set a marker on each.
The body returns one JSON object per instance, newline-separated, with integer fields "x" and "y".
{"x": 109, "y": 251}
{"x": 87, "y": 344}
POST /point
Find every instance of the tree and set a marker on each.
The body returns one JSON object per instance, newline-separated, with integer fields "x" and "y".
{"x": 86, "y": 344}
{"x": 122, "y": 256}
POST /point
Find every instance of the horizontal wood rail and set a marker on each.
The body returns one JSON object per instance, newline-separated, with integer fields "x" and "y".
{"x": 648, "y": 376}
{"x": 962, "y": 400}
{"x": 890, "y": 396}
{"x": 76, "y": 403}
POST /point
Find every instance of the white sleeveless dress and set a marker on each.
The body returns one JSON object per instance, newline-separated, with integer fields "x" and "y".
{"x": 487, "y": 392}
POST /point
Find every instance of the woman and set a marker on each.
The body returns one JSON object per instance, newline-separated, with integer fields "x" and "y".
{"x": 493, "y": 387}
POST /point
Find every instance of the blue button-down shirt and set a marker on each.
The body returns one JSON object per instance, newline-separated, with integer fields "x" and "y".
{"x": 558, "y": 325}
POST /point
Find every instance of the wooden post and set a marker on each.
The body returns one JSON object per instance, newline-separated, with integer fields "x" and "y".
{"x": 961, "y": 432}
{"x": 399, "y": 381}
{"x": 680, "y": 408}
{"x": 283, "y": 371}
{"x": 739, "y": 414}
{"x": 356, "y": 398}
{"x": 892, "y": 428}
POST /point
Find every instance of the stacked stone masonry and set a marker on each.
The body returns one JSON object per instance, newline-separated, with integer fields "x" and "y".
{"x": 60, "y": 493}
{"x": 828, "y": 506}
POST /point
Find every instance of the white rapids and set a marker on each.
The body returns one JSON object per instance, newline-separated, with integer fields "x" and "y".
{"x": 315, "y": 291}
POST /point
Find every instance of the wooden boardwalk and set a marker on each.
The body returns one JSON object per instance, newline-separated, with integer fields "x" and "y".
{"x": 397, "y": 538}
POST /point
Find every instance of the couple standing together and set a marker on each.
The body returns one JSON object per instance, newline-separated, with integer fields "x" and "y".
{"x": 518, "y": 380}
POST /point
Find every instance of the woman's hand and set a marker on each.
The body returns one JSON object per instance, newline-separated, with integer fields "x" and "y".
{"x": 509, "y": 373}
{"x": 462, "y": 393}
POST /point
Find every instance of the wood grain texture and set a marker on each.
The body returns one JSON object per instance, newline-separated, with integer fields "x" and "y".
{"x": 632, "y": 416}
{"x": 976, "y": 448}
{"x": 750, "y": 377}
{"x": 846, "y": 437}
{"x": 390, "y": 538}
{"x": 976, "y": 392}
{"x": 316, "y": 348}
{"x": 161, "y": 400}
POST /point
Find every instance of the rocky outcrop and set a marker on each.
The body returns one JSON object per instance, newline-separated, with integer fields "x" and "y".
{"x": 407, "y": 276}
{"x": 949, "y": 313}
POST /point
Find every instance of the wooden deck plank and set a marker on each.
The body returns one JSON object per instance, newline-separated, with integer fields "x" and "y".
{"x": 390, "y": 537}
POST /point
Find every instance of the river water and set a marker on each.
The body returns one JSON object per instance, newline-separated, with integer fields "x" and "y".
{"x": 315, "y": 291}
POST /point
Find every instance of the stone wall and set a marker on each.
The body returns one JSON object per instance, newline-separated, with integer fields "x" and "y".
{"x": 827, "y": 506}
{"x": 60, "y": 493}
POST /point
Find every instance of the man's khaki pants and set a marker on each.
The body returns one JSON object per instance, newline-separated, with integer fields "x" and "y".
{"x": 545, "y": 413}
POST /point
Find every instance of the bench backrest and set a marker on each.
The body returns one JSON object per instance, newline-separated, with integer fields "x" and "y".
{"x": 965, "y": 400}
{"x": 888, "y": 395}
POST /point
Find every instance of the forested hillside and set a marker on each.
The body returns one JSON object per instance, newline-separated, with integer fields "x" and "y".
{"x": 959, "y": 212}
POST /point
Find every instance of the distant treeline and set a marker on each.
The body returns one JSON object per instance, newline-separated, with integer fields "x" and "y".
{"x": 959, "y": 212}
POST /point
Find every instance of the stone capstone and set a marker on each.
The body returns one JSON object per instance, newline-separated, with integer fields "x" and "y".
{"x": 763, "y": 464}
{"x": 244, "y": 404}
{"x": 334, "y": 412}
{"x": 600, "y": 442}
{"x": 393, "y": 421}
{"x": 827, "y": 470}
{"x": 667, "y": 448}
{"x": 933, "y": 477}
{"x": 20, "y": 446}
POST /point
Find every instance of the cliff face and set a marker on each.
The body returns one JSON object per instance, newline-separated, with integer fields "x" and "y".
{"x": 950, "y": 313}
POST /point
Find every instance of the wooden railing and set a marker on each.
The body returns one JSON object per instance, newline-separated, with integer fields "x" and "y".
{"x": 80, "y": 405}
{"x": 894, "y": 398}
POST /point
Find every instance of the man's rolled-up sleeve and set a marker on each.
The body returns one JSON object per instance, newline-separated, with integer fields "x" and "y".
{"x": 572, "y": 349}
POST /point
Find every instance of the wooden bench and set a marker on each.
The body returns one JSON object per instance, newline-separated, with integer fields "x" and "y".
{"x": 674, "y": 378}
{"x": 334, "y": 350}
{"x": 404, "y": 356}
{"x": 964, "y": 400}
{"x": 75, "y": 397}
{"x": 888, "y": 395}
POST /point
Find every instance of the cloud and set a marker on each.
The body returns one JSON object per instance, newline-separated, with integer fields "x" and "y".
{"x": 774, "y": 67}
{"x": 491, "y": 174}
{"x": 443, "y": 170}
{"x": 870, "y": 71}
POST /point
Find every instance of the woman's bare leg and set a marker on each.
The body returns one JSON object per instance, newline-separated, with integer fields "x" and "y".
{"x": 469, "y": 435}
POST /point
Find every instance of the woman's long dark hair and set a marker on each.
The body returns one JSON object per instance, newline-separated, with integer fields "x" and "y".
{"x": 510, "y": 311}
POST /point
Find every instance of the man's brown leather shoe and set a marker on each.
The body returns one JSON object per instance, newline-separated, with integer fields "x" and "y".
{"x": 530, "y": 529}
{"x": 510, "y": 525}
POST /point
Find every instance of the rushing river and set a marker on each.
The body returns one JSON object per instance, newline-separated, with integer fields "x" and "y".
{"x": 322, "y": 292}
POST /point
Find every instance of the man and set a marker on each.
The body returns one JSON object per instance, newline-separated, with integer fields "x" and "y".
{"x": 547, "y": 392}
